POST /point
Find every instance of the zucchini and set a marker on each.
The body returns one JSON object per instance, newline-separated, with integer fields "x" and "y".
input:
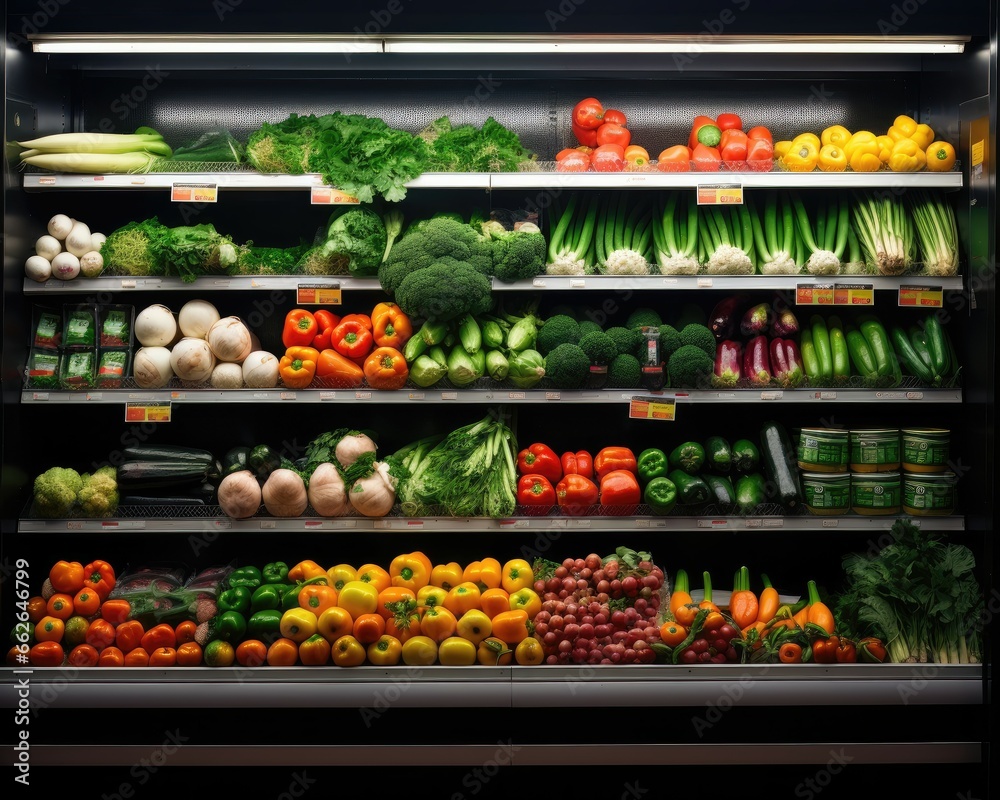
{"x": 721, "y": 491}
{"x": 861, "y": 353}
{"x": 689, "y": 456}
{"x": 691, "y": 489}
{"x": 838, "y": 349}
{"x": 751, "y": 492}
{"x": 780, "y": 466}
{"x": 746, "y": 456}
{"x": 153, "y": 474}
{"x": 878, "y": 341}
{"x": 263, "y": 460}
{"x": 918, "y": 340}
{"x": 235, "y": 459}
{"x": 718, "y": 454}
{"x": 908, "y": 356}
{"x": 937, "y": 344}
{"x": 165, "y": 500}
{"x": 821, "y": 342}
{"x": 810, "y": 361}
{"x": 167, "y": 452}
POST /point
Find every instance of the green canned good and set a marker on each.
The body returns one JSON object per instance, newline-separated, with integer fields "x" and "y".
{"x": 926, "y": 449}
{"x": 929, "y": 494}
{"x": 822, "y": 450}
{"x": 876, "y": 493}
{"x": 875, "y": 450}
{"x": 827, "y": 493}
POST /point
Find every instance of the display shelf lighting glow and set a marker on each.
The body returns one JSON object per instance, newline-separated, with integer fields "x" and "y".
{"x": 482, "y": 44}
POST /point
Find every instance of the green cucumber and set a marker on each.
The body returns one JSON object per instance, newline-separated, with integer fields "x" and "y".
{"x": 810, "y": 360}
{"x": 878, "y": 341}
{"x": 746, "y": 456}
{"x": 918, "y": 340}
{"x": 691, "y": 489}
{"x": 167, "y": 452}
{"x": 721, "y": 490}
{"x": 689, "y": 456}
{"x": 909, "y": 357}
{"x": 780, "y": 465}
{"x": 838, "y": 349}
{"x": 751, "y": 492}
{"x": 861, "y": 354}
{"x": 718, "y": 454}
{"x": 821, "y": 341}
{"x": 937, "y": 344}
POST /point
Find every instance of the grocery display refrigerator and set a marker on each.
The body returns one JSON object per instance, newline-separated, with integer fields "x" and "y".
{"x": 629, "y": 730}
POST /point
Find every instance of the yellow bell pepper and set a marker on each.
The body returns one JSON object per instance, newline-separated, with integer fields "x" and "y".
{"x": 802, "y": 156}
{"x": 463, "y": 597}
{"x": 340, "y": 574}
{"x": 885, "y": 145}
{"x": 306, "y": 571}
{"x": 334, "y": 623}
{"x": 419, "y": 651}
{"x": 431, "y": 595}
{"x": 940, "y": 157}
{"x": 490, "y": 574}
{"x": 529, "y": 652}
{"x": 358, "y": 597}
{"x": 456, "y": 652}
{"x": 780, "y": 148}
{"x": 494, "y": 652}
{"x": 474, "y": 625}
{"x": 409, "y": 571}
{"x": 907, "y": 156}
{"x": 386, "y": 652}
{"x": 905, "y": 125}
{"x": 297, "y": 624}
{"x": 923, "y": 136}
{"x": 447, "y": 576}
{"x": 527, "y": 600}
{"x": 812, "y": 138}
{"x": 860, "y": 138}
{"x": 835, "y": 134}
{"x": 832, "y": 158}
{"x": 517, "y": 574}
{"x": 348, "y": 652}
{"x": 862, "y": 156}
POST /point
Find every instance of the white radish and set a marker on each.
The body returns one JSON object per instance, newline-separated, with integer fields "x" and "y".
{"x": 60, "y": 226}
{"x": 65, "y": 266}
{"x": 48, "y": 247}
{"x": 78, "y": 242}
{"x": 38, "y": 268}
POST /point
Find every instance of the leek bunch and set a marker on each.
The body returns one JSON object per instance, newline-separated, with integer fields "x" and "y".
{"x": 97, "y": 153}
{"x": 885, "y": 232}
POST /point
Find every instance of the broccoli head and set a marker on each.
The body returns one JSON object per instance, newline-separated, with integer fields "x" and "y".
{"x": 599, "y": 347}
{"x": 589, "y": 326}
{"x": 99, "y": 495}
{"x": 644, "y": 317}
{"x": 444, "y": 291}
{"x": 425, "y": 241}
{"x": 555, "y": 331}
{"x": 55, "y": 492}
{"x": 517, "y": 255}
{"x": 624, "y": 372}
{"x": 627, "y": 340}
{"x": 670, "y": 340}
{"x": 699, "y": 336}
{"x": 567, "y": 366}
{"x": 690, "y": 367}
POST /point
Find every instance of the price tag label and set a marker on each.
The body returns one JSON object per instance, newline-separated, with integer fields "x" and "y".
{"x": 328, "y": 196}
{"x": 814, "y": 294}
{"x": 921, "y": 297}
{"x": 661, "y": 408}
{"x": 312, "y": 295}
{"x": 194, "y": 193}
{"x": 720, "y": 194}
{"x": 830, "y": 294}
{"x": 147, "y": 412}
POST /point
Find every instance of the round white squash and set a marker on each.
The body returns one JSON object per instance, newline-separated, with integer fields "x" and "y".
{"x": 230, "y": 340}
{"x": 191, "y": 360}
{"x": 260, "y": 370}
{"x": 197, "y": 317}
{"x": 227, "y": 375}
{"x": 65, "y": 266}
{"x": 155, "y": 326}
{"x": 38, "y": 268}
{"x": 151, "y": 367}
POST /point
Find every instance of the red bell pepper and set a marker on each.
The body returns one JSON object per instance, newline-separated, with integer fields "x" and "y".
{"x": 609, "y": 459}
{"x": 705, "y": 158}
{"x": 535, "y": 490}
{"x": 352, "y": 339}
{"x": 539, "y": 459}
{"x": 300, "y": 328}
{"x": 675, "y": 159}
{"x": 576, "y": 494}
{"x": 733, "y": 146}
{"x": 326, "y": 321}
{"x": 847, "y": 652}
{"x": 578, "y": 463}
{"x": 588, "y": 113}
{"x": 99, "y": 576}
{"x": 620, "y": 491}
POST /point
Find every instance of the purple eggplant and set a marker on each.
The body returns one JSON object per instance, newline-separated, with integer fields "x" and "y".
{"x": 724, "y": 322}
{"x": 756, "y": 362}
{"x": 728, "y": 357}
{"x": 757, "y": 320}
{"x": 786, "y": 362}
{"x": 785, "y": 323}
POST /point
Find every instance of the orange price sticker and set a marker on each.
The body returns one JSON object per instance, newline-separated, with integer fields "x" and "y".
{"x": 921, "y": 296}
{"x": 659, "y": 408}
{"x": 328, "y": 196}
{"x": 720, "y": 194}
{"x": 331, "y": 295}
{"x": 814, "y": 294}
{"x": 194, "y": 193}
{"x": 147, "y": 412}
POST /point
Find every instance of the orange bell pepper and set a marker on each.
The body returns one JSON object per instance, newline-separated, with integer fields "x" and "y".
{"x": 60, "y": 605}
{"x": 462, "y": 598}
{"x": 50, "y": 629}
{"x": 490, "y": 574}
{"x": 317, "y": 598}
{"x": 158, "y": 636}
{"x": 100, "y": 634}
{"x": 100, "y": 576}
{"x": 36, "y": 609}
{"x": 185, "y": 631}
{"x": 385, "y": 368}
{"x": 87, "y": 602}
{"x": 511, "y": 626}
{"x": 116, "y": 611}
{"x": 189, "y": 654}
{"x": 163, "y": 657}
{"x": 67, "y": 577}
{"x": 375, "y": 575}
{"x": 494, "y": 601}
{"x": 111, "y": 657}
{"x": 391, "y": 327}
{"x": 314, "y": 651}
{"x": 447, "y": 576}
{"x": 349, "y": 652}
{"x": 405, "y": 620}
{"x": 338, "y": 371}
{"x": 128, "y": 635}
{"x": 393, "y": 595}
{"x": 300, "y": 328}
{"x": 368, "y": 628}
{"x": 282, "y": 653}
{"x": 46, "y": 654}
{"x": 249, "y": 653}
{"x": 306, "y": 571}
{"x": 334, "y": 623}
{"x": 409, "y": 571}
{"x": 83, "y": 655}
{"x": 136, "y": 657}
{"x": 297, "y": 366}
{"x": 438, "y": 623}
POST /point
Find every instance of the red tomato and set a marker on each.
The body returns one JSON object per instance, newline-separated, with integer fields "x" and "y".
{"x": 608, "y": 158}
{"x": 613, "y": 133}
{"x": 674, "y": 159}
{"x": 705, "y": 159}
{"x": 588, "y": 113}
{"x": 733, "y": 146}
{"x": 729, "y": 122}
{"x": 614, "y": 115}
{"x": 760, "y": 132}
{"x": 575, "y": 162}
{"x": 585, "y": 136}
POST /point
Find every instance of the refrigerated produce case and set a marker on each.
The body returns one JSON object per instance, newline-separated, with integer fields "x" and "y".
{"x": 919, "y": 728}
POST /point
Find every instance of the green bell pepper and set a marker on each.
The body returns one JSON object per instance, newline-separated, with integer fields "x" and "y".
{"x": 264, "y": 625}
{"x": 268, "y": 596}
{"x": 275, "y": 572}
{"x": 231, "y": 626}
{"x": 236, "y": 598}
{"x": 660, "y": 495}
{"x": 245, "y": 576}
{"x": 652, "y": 463}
